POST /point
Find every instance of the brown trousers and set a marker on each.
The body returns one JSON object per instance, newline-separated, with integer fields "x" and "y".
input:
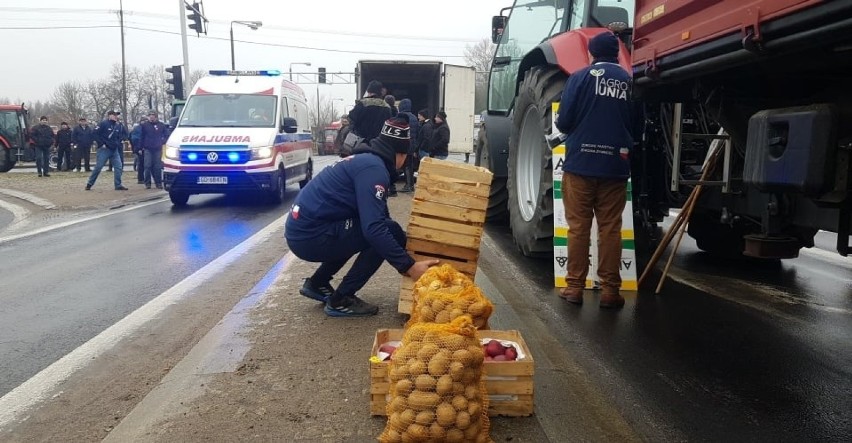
{"x": 604, "y": 199}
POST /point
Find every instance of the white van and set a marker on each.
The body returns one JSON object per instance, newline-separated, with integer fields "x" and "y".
{"x": 240, "y": 131}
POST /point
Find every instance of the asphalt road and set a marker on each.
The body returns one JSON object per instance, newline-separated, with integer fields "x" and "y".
{"x": 760, "y": 352}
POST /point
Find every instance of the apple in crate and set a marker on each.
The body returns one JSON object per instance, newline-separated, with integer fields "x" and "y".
{"x": 495, "y": 351}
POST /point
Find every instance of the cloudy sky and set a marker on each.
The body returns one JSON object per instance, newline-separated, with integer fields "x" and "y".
{"x": 47, "y": 42}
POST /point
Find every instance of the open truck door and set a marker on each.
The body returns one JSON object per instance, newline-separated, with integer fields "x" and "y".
{"x": 458, "y": 98}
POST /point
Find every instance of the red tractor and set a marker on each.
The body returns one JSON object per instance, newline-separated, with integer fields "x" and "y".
{"x": 14, "y": 136}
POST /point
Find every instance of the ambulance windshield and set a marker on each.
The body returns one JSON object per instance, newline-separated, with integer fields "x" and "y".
{"x": 229, "y": 111}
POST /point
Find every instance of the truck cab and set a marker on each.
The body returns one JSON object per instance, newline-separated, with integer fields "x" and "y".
{"x": 13, "y": 136}
{"x": 239, "y": 132}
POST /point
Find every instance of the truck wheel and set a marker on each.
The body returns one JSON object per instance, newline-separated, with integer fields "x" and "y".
{"x": 498, "y": 211}
{"x": 716, "y": 238}
{"x": 530, "y": 182}
{"x": 7, "y": 159}
{"x": 178, "y": 198}
{"x": 276, "y": 196}
{"x": 308, "y": 175}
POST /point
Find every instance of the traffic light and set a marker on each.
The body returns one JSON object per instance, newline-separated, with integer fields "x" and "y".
{"x": 321, "y": 75}
{"x": 196, "y": 18}
{"x": 176, "y": 81}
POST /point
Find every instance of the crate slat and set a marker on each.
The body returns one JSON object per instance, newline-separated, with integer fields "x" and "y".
{"x": 473, "y": 230}
{"x": 438, "y": 209}
{"x": 455, "y": 185}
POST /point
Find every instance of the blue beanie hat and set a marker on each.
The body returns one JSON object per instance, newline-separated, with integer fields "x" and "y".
{"x": 604, "y": 45}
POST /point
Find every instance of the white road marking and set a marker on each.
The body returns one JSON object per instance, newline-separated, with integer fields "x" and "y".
{"x": 19, "y": 213}
{"x": 76, "y": 221}
{"x": 38, "y": 201}
{"x": 41, "y": 386}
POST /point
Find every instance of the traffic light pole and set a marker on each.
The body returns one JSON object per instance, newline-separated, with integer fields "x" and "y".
{"x": 186, "y": 70}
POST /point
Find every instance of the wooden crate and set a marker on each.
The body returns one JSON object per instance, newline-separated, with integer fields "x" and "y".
{"x": 447, "y": 218}
{"x": 509, "y": 384}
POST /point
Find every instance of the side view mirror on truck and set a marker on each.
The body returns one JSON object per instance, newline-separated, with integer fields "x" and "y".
{"x": 498, "y": 24}
{"x": 289, "y": 125}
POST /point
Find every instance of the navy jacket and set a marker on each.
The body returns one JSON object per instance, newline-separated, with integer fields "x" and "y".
{"x": 440, "y": 140}
{"x": 595, "y": 114}
{"x": 368, "y": 116}
{"x": 63, "y": 138}
{"x": 153, "y": 135}
{"x": 83, "y": 136}
{"x": 110, "y": 134}
{"x": 424, "y": 136}
{"x": 413, "y": 123}
{"x": 43, "y": 135}
{"x": 353, "y": 188}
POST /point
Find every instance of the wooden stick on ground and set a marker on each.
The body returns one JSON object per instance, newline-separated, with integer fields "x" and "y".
{"x": 697, "y": 192}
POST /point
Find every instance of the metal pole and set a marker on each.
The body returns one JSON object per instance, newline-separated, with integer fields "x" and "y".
{"x": 233, "y": 66}
{"x": 123, "y": 66}
{"x": 182, "y": 14}
{"x": 291, "y": 72}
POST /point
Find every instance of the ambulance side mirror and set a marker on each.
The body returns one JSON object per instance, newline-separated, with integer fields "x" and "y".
{"x": 289, "y": 125}
{"x": 173, "y": 122}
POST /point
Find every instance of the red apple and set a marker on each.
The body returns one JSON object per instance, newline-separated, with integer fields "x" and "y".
{"x": 511, "y": 353}
{"x": 494, "y": 348}
{"x": 500, "y": 357}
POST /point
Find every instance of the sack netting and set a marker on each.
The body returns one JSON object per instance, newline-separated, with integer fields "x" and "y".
{"x": 444, "y": 294}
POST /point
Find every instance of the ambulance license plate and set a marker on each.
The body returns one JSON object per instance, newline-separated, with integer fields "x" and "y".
{"x": 212, "y": 180}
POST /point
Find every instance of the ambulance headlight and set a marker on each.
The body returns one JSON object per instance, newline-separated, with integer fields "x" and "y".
{"x": 261, "y": 153}
{"x": 172, "y": 152}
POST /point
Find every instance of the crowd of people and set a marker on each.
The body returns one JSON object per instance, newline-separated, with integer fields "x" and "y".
{"x": 109, "y": 138}
{"x": 429, "y": 136}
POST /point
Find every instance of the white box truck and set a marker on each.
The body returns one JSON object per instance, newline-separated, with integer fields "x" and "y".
{"x": 428, "y": 84}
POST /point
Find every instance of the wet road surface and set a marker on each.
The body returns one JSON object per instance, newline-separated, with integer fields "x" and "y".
{"x": 761, "y": 353}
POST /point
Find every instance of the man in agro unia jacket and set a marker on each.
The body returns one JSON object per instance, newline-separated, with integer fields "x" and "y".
{"x": 595, "y": 114}
{"x": 343, "y": 211}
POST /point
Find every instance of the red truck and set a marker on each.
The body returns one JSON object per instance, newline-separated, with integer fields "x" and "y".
{"x": 14, "y": 137}
{"x": 768, "y": 79}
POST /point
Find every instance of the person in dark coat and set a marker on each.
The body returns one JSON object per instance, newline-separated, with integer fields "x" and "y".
{"x": 369, "y": 113}
{"x": 391, "y": 101}
{"x": 43, "y": 138}
{"x": 595, "y": 113}
{"x": 440, "y": 140}
{"x": 424, "y": 136}
{"x": 341, "y": 136}
{"x": 109, "y": 134}
{"x": 136, "y": 147}
{"x": 64, "y": 138}
{"x": 82, "y": 137}
{"x": 154, "y": 136}
{"x": 414, "y": 125}
{"x": 343, "y": 211}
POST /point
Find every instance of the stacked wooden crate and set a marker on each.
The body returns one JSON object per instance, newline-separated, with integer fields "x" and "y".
{"x": 447, "y": 218}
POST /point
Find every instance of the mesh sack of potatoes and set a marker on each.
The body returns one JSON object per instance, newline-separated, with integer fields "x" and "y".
{"x": 437, "y": 387}
{"x": 445, "y": 295}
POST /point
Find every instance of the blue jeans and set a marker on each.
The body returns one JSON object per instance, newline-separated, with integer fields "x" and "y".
{"x": 338, "y": 243}
{"x": 153, "y": 166}
{"x": 105, "y": 154}
{"x": 42, "y": 159}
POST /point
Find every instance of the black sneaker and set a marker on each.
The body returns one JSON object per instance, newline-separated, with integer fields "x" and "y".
{"x": 314, "y": 292}
{"x": 406, "y": 190}
{"x": 121, "y": 188}
{"x": 88, "y": 187}
{"x": 351, "y": 307}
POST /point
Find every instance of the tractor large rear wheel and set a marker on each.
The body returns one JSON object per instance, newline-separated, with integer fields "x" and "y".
{"x": 530, "y": 182}
{"x": 498, "y": 211}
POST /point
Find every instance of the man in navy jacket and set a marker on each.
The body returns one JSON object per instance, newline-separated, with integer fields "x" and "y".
{"x": 109, "y": 134}
{"x": 153, "y": 136}
{"x": 594, "y": 113}
{"x": 343, "y": 211}
{"x": 82, "y": 136}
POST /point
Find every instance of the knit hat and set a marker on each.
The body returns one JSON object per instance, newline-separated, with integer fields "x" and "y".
{"x": 395, "y": 133}
{"x": 442, "y": 115}
{"x": 604, "y": 45}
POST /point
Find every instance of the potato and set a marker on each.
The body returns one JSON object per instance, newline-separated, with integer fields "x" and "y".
{"x": 463, "y": 356}
{"x": 421, "y": 401}
{"x": 474, "y": 408}
{"x": 398, "y": 404}
{"x": 472, "y": 431}
{"x": 477, "y": 309}
{"x": 442, "y": 317}
{"x": 455, "y": 435}
{"x": 425, "y": 418}
{"x": 456, "y": 313}
{"x": 453, "y": 342}
{"x": 416, "y": 367}
{"x": 395, "y": 421}
{"x": 444, "y": 386}
{"x": 458, "y": 388}
{"x": 445, "y": 414}
{"x": 427, "y": 314}
{"x": 471, "y": 392}
{"x": 463, "y": 419}
{"x": 427, "y": 351}
{"x": 437, "y": 305}
{"x": 415, "y": 334}
{"x": 406, "y": 418}
{"x": 393, "y": 436}
{"x": 404, "y": 387}
{"x": 417, "y": 431}
{"x": 456, "y": 370}
{"x": 438, "y": 365}
{"x": 437, "y": 432}
{"x": 425, "y": 382}
{"x": 469, "y": 376}
{"x": 459, "y": 403}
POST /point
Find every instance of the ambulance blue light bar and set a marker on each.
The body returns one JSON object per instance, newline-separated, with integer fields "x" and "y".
{"x": 266, "y": 72}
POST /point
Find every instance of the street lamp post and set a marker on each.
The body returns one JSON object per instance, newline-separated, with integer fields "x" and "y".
{"x": 332, "y": 105}
{"x": 297, "y": 63}
{"x": 252, "y": 24}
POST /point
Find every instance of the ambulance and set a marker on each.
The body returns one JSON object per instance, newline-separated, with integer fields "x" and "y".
{"x": 239, "y": 132}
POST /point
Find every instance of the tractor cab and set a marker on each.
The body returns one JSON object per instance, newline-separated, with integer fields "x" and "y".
{"x": 14, "y": 134}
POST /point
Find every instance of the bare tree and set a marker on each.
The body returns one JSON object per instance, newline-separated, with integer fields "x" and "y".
{"x": 69, "y": 101}
{"x": 322, "y": 116}
{"x": 479, "y": 56}
{"x": 99, "y": 99}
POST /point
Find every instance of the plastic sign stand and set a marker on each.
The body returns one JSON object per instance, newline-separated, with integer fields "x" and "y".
{"x": 560, "y": 231}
